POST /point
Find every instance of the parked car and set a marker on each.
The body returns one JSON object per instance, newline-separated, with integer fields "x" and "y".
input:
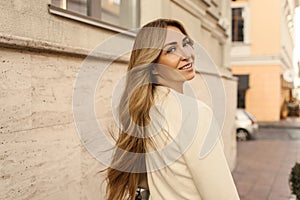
{"x": 246, "y": 125}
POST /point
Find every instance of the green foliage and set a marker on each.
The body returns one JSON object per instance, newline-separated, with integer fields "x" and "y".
{"x": 295, "y": 180}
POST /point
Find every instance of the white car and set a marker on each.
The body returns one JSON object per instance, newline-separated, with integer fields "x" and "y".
{"x": 246, "y": 125}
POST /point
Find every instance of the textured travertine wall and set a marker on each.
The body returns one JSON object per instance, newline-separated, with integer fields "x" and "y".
{"x": 41, "y": 155}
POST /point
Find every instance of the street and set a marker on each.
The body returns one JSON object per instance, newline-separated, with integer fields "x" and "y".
{"x": 264, "y": 164}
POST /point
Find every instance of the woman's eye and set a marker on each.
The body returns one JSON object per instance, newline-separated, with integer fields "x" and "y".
{"x": 171, "y": 49}
{"x": 188, "y": 43}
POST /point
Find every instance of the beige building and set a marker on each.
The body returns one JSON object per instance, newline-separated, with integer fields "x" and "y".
{"x": 262, "y": 55}
{"x": 44, "y": 46}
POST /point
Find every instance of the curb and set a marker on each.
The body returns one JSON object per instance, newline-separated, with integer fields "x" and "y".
{"x": 279, "y": 125}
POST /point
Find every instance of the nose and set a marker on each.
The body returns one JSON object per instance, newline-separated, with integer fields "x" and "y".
{"x": 185, "y": 54}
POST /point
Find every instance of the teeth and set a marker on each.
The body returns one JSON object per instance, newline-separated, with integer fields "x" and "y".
{"x": 187, "y": 66}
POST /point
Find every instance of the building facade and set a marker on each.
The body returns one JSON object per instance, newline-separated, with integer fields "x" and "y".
{"x": 43, "y": 47}
{"x": 262, "y": 56}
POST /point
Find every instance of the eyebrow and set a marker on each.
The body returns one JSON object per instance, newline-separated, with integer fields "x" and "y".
{"x": 174, "y": 43}
{"x": 171, "y": 43}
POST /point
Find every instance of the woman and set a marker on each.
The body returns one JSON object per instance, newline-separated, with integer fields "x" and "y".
{"x": 162, "y": 130}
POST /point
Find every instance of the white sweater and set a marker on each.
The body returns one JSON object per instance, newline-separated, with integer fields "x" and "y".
{"x": 187, "y": 161}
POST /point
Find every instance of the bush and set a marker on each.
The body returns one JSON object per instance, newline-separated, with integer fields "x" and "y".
{"x": 294, "y": 180}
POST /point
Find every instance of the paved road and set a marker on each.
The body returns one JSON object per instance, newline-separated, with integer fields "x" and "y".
{"x": 264, "y": 164}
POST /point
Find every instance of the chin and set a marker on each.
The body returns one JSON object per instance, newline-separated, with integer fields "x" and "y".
{"x": 190, "y": 77}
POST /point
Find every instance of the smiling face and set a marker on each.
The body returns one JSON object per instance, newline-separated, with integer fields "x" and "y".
{"x": 177, "y": 58}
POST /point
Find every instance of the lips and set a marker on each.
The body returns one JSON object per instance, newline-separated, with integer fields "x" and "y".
{"x": 186, "y": 67}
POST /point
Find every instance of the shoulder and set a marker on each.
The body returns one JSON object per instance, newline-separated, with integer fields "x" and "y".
{"x": 194, "y": 105}
{"x": 171, "y": 97}
{"x": 184, "y": 109}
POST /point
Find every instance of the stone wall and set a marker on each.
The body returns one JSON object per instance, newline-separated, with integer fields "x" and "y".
{"x": 41, "y": 153}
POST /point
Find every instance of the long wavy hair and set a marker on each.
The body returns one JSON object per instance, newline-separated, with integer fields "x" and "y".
{"x": 128, "y": 167}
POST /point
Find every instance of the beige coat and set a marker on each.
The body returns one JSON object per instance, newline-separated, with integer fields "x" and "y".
{"x": 177, "y": 169}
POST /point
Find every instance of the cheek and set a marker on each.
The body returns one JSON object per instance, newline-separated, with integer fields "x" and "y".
{"x": 169, "y": 61}
{"x": 167, "y": 72}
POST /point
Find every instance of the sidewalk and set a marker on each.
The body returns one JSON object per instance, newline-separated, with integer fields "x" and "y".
{"x": 264, "y": 164}
{"x": 291, "y": 122}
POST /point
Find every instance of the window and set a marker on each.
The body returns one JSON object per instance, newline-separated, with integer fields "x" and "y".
{"x": 243, "y": 86}
{"x": 122, "y": 13}
{"x": 237, "y": 25}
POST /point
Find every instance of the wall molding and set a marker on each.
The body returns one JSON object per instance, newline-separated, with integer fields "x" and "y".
{"x": 222, "y": 75}
{"x": 27, "y": 44}
{"x": 286, "y": 56}
{"x": 189, "y": 6}
{"x": 259, "y": 60}
{"x": 240, "y": 49}
{"x": 88, "y": 20}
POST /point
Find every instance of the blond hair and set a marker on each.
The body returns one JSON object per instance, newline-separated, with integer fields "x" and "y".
{"x": 134, "y": 108}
